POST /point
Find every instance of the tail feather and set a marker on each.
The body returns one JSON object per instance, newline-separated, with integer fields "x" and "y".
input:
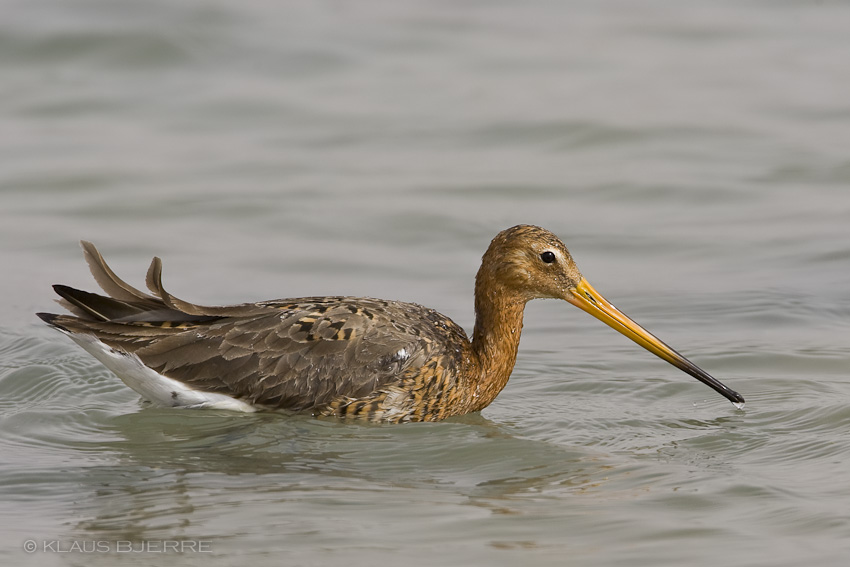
{"x": 49, "y": 318}
{"x": 108, "y": 281}
{"x": 154, "y": 282}
{"x": 94, "y": 306}
{"x": 125, "y": 304}
{"x": 129, "y": 304}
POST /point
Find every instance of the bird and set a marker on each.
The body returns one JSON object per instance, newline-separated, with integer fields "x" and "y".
{"x": 344, "y": 357}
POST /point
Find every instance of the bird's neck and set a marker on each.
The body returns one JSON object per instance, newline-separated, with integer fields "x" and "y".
{"x": 495, "y": 339}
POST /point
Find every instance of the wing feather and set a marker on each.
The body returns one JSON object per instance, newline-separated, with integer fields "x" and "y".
{"x": 300, "y": 357}
{"x": 303, "y": 353}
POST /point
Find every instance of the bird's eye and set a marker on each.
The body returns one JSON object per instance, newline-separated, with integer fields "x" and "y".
{"x": 548, "y": 257}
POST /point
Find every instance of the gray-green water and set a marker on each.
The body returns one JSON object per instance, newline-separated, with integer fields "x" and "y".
{"x": 695, "y": 157}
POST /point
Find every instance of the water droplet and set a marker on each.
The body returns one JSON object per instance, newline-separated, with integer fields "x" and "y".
{"x": 738, "y": 405}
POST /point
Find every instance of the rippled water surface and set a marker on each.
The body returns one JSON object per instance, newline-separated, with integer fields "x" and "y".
{"x": 693, "y": 156}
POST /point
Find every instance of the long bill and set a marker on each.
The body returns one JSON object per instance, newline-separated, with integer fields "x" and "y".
{"x": 588, "y": 299}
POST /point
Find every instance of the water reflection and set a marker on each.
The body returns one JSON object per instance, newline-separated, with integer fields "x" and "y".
{"x": 166, "y": 467}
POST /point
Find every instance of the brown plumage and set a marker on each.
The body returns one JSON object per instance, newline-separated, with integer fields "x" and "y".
{"x": 336, "y": 356}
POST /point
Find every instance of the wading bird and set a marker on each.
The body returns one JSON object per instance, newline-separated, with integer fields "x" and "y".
{"x": 350, "y": 357}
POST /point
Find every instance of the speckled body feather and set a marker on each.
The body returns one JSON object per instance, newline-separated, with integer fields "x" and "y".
{"x": 342, "y": 356}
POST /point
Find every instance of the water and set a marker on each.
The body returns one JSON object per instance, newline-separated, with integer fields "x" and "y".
{"x": 693, "y": 156}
